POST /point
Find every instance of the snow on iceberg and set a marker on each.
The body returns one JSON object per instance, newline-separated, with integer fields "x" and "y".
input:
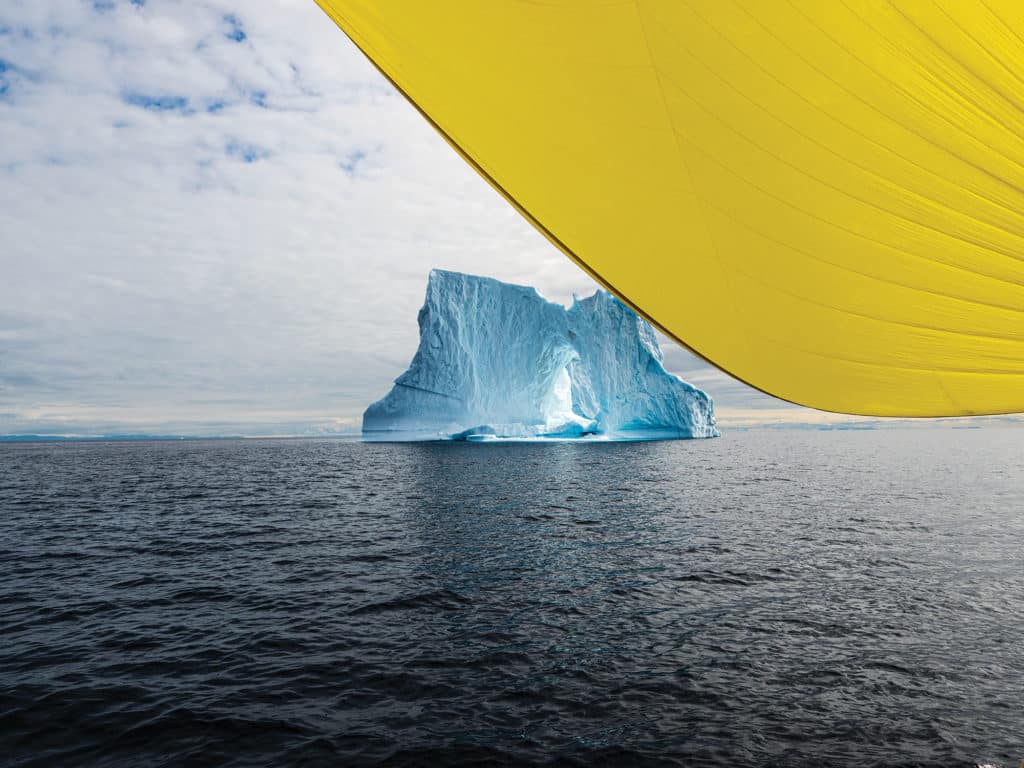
{"x": 500, "y": 361}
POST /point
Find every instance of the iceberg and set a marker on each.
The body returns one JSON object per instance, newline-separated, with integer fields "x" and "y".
{"x": 499, "y": 361}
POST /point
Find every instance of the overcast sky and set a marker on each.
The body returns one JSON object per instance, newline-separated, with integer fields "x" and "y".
{"x": 217, "y": 218}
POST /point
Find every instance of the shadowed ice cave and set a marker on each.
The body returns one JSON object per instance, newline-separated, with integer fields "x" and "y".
{"x": 499, "y": 361}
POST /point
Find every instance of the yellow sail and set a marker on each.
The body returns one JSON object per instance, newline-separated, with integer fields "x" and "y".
{"x": 824, "y": 199}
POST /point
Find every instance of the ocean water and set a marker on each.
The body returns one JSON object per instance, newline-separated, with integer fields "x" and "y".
{"x": 776, "y": 598}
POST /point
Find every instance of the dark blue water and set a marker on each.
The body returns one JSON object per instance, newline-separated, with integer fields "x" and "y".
{"x": 769, "y": 598}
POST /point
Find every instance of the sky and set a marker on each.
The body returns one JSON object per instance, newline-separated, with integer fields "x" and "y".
{"x": 217, "y": 218}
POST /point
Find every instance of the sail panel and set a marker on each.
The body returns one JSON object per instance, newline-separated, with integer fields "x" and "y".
{"x": 826, "y": 200}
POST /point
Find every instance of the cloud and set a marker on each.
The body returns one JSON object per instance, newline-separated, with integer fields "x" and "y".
{"x": 218, "y": 213}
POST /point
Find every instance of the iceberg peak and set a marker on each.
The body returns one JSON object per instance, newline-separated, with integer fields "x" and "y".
{"x": 500, "y": 361}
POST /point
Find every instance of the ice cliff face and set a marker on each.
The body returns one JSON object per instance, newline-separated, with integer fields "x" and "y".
{"x": 498, "y": 360}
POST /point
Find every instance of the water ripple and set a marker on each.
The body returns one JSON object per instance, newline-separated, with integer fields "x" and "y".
{"x": 775, "y": 599}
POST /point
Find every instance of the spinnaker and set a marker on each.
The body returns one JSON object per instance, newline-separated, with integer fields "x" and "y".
{"x": 825, "y": 200}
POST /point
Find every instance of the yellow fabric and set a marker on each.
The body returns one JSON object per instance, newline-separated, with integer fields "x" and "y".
{"x": 825, "y": 199}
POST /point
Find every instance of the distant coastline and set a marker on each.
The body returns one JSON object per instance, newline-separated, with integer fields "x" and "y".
{"x": 162, "y": 438}
{"x": 957, "y": 423}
